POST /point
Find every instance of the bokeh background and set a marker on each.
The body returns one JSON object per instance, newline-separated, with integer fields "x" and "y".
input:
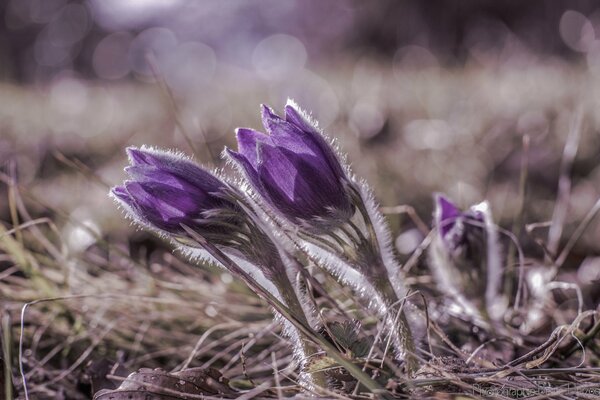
{"x": 423, "y": 96}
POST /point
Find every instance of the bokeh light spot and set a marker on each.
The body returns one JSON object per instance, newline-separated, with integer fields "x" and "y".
{"x": 279, "y": 56}
{"x": 110, "y": 56}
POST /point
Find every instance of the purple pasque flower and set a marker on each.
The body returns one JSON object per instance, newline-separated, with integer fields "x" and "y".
{"x": 294, "y": 169}
{"x": 469, "y": 260}
{"x": 166, "y": 190}
{"x": 455, "y": 227}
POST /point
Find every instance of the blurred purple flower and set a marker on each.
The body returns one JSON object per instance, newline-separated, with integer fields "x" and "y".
{"x": 166, "y": 190}
{"x": 452, "y": 223}
{"x": 294, "y": 169}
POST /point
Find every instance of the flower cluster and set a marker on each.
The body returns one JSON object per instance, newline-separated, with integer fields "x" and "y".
{"x": 180, "y": 200}
{"x": 301, "y": 202}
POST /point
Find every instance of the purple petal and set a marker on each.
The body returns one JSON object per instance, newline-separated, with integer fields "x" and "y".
{"x": 122, "y": 196}
{"x": 279, "y": 128}
{"x": 249, "y": 169}
{"x": 297, "y": 135}
{"x": 171, "y": 164}
{"x": 167, "y": 189}
{"x": 196, "y": 176}
{"x": 446, "y": 214}
{"x": 143, "y": 174}
{"x": 121, "y": 193}
{"x": 163, "y": 205}
{"x": 293, "y": 167}
{"x": 280, "y": 170}
{"x": 296, "y": 187}
{"x": 291, "y": 138}
{"x": 298, "y": 118}
{"x": 270, "y": 120}
{"x": 247, "y": 140}
{"x": 146, "y": 157}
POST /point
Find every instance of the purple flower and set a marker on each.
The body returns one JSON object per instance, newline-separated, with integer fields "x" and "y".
{"x": 166, "y": 190}
{"x": 456, "y": 227}
{"x": 294, "y": 169}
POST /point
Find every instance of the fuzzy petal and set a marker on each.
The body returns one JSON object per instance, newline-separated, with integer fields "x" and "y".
{"x": 296, "y": 187}
{"x": 249, "y": 170}
{"x": 122, "y": 194}
{"x": 175, "y": 165}
{"x": 144, "y": 156}
{"x": 270, "y": 120}
{"x": 163, "y": 205}
{"x": 298, "y": 135}
{"x": 247, "y": 140}
{"x": 286, "y": 134}
{"x": 294, "y": 168}
{"x": 295, "y": 116}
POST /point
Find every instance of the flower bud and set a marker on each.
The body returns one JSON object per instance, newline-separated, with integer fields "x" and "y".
{"x": 166, "y": 191}
{"x": 295, "y": 170}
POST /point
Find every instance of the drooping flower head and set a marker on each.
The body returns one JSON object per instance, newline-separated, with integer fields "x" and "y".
{"x": 166, "y": 190}
{"x": 294, "y": 169}
{"x": 171, "y": 194}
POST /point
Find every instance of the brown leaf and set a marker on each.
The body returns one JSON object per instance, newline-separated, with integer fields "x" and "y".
{"x": 157, "y": 384}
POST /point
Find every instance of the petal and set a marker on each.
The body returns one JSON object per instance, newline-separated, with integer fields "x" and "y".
{"x": 136, "y": 156}
{"x": 247, "y": 139}
{"x": 145, "y": 156}
{"x": 248, "y": 169}
{"x": 163, "y": 206}
{"x": 445, "y": 214}
{"x": 243, "y": 162}
{"x": 279, "y": 170}
{"x": 295, "y": 187}
{"x": 295, "y": 116}
{"x": 293, "y": 137}
{"x": 193, "y": 174}
{"x": 122, "y": 196}
{"x": 147, "y": 174}
{"x": 280, "y": 129}
{"x": 270, "y": 120}
{"x": 290, "y": 137}
{"x": 145, "y": 160}
{"x": 121, "y": 193}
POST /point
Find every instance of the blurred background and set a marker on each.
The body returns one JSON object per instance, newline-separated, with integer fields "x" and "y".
{"x": 423, "y": 96}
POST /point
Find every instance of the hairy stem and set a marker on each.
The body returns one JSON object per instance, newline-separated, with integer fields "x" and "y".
{"x": 398, "y": 325}
{"x": 303, "y": 347}
{"x": 382, "y": 282}
{"x": 282, "y": 309}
